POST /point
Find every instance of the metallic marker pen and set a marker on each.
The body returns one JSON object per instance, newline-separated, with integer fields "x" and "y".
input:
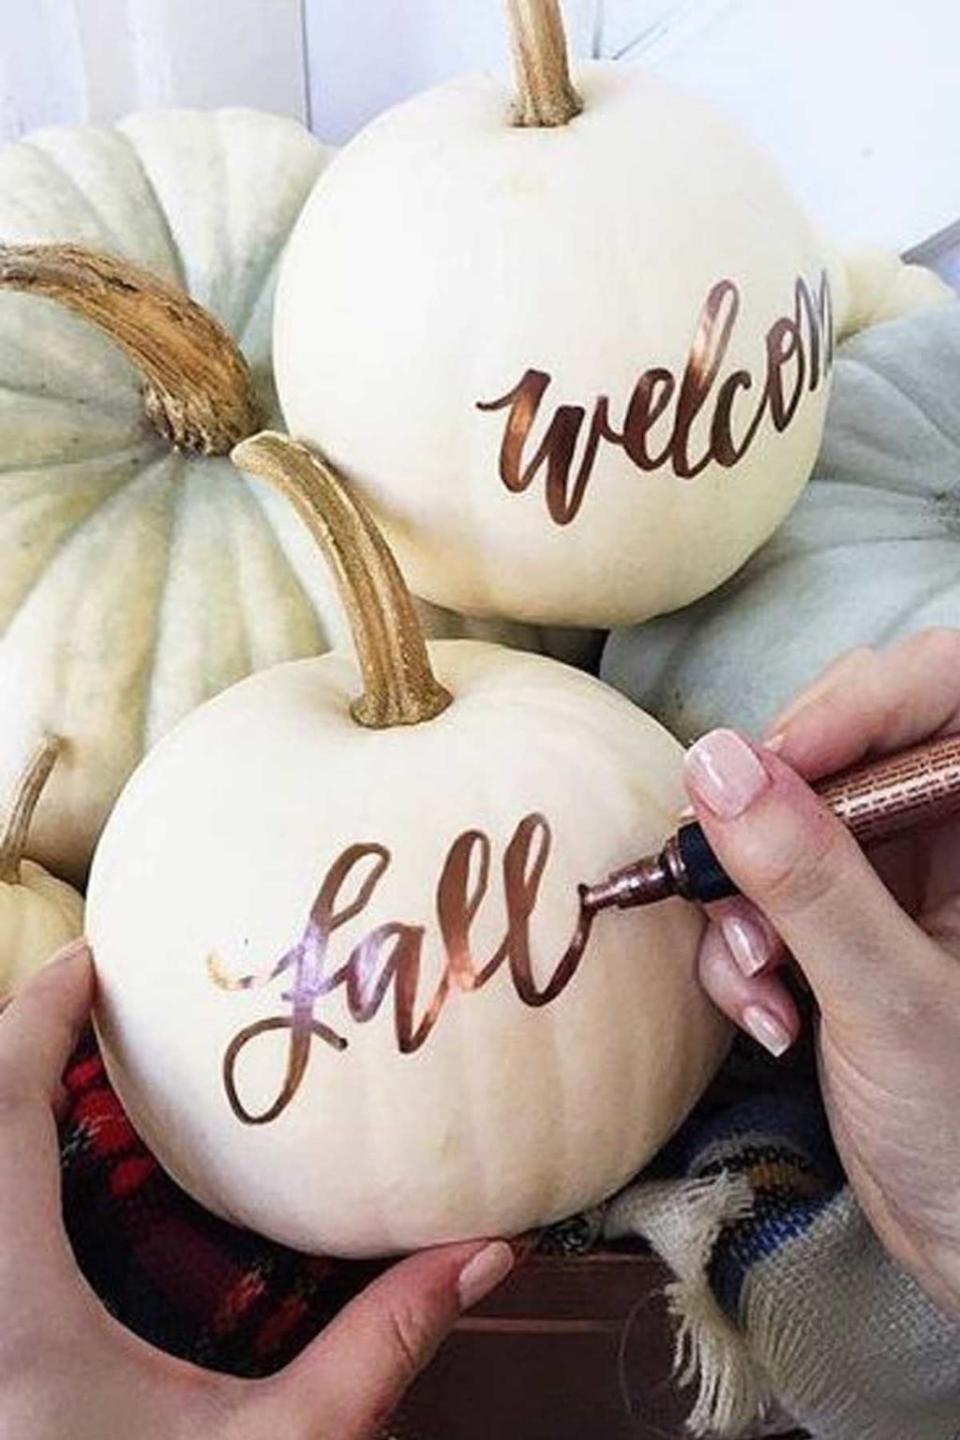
{"x": 875, "y": 801}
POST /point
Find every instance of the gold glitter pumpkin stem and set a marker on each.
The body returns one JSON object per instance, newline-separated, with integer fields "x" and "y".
{"x": 197, "y": 386}
{"x": 546, "y": 96}
{"x": 400, "y": 687}
{"x": 15, "y": 827}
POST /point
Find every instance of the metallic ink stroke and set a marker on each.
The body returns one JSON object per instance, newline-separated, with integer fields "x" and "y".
{"x": 803, "y": 341}
{"x": 390, "y": 956}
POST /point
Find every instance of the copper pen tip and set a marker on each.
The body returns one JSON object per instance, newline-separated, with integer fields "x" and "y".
{"x": 643, "y": 883}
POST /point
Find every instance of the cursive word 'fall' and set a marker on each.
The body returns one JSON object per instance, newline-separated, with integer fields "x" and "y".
{"x": 389, "y": 957}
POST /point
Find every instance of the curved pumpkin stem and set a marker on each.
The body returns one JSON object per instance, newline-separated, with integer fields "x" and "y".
{"x": 26, "y": 793}
{"x": 546, "y": 96}
{"x": 197, "y": 385}
{"x": 400, "y": 687}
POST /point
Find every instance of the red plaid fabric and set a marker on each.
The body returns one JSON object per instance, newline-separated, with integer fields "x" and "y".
{"x": 171, "y": 1272}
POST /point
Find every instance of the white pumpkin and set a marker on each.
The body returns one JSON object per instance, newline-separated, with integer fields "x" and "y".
{"x": 140, "y": 574}
{"x": 872, "y": 552}
{"x": 346, "y": 990}
{"x": 576, "y": 359}
{"x": 38, "y": 913}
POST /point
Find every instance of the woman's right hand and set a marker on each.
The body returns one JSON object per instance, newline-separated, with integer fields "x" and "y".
{"x": 881, "y": 955}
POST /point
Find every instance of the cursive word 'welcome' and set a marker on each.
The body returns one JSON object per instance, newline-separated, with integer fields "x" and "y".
{"x": 799, "y": 346}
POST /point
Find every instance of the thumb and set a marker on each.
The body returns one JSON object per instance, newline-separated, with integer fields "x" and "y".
{"x": 792, "y": 857}
{"x": 350, "y": 1379}
{"x": 38, "y": 1031}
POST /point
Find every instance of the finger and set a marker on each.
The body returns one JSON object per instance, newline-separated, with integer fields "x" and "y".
{"x": 752, "y": 941}
{"x": 797, "y": 863}
{"x": 760, "y": 1004}
{"x": 350, "y": 1379}
{"x": 38, "y": 1032}
{"x": 873, "y": 702}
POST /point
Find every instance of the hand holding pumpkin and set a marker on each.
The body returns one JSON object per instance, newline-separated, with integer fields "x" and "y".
{"x": 880, "y": 954}
{"x": 66, "y": 1366}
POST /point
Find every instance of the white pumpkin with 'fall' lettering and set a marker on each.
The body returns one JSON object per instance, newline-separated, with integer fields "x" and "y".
{"x": 574, "y": 355}
{"x": 347, "y": 989}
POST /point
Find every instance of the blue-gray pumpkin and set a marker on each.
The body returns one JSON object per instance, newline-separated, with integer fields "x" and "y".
{"x": 871, "y": 552}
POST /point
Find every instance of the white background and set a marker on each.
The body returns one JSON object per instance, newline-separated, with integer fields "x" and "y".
{"x": 859, "y": 100}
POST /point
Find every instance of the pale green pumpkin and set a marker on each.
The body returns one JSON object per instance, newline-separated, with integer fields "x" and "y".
{"x": 138, "y": 579}
{"x": 871, "y": 552}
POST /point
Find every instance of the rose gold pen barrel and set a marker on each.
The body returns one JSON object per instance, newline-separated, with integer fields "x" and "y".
{"x": 875, "y": 800}
{"x": 897, "y": 792}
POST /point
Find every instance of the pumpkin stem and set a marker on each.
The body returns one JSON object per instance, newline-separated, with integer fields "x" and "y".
{"x": 197, "y": 385}
{"x": 27, "y": 791}
{"x": 545, "y": 93}
{"x": 400, "y": 687}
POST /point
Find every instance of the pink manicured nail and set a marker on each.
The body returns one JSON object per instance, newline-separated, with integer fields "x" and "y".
{"x": 748, "y": 941}
{"x": 484, "y": 1272}
{"x": 725, "y": 773}
{"x": 768, "y": 1029}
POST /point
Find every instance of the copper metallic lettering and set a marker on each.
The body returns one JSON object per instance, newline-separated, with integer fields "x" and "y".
{"x": 651, "y": 396}
{"x": 557, "y": 449}
{"x": 390, "y": 957}
{"x": 709, "y": 349}
{"x": 798, "y": 356}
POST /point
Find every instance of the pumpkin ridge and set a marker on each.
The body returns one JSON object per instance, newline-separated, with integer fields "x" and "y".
{"x": 111, "y": 240}
{"x": 872, "y": 483}
{"x": 258, "y": 497}
{"x": 238, "y": 323}
{"x": 246, "y": 318}
{"x": 25, "y": 392}
{"x": 176, "y": 254}
{"x": 98, "y": 457}
{"x": 889, "y": 631}
{"x": 278, "y": 553}
{"x": 899, "y": 386}
{"x": 147, "y": 739}
{"x": 68, "y": 535}
{"x": 75, "y": 534}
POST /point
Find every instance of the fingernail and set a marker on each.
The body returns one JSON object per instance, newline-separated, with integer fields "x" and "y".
{"x": 767, "y": 1029}
{"x": 483, "y": 1273}
{"x": 725, "y": 773}
{"x": 776, "y": 741}
{"x": 748, "y": 942}
{"x": 72, "y": 951}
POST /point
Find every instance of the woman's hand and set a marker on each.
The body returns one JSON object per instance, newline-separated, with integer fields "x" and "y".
{"x": 70, "y": 1372}
{"x": 882, "y": 962}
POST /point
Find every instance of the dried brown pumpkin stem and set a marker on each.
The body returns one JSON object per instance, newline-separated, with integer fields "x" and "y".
{"x": 15, "y": 829}
{"x": 197, "y": 385}
{"x": 546, "y": 96}
{"x": 400, "y": 687}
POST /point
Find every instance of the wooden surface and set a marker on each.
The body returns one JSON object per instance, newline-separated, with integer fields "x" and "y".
{"x": 567, "y": 1349}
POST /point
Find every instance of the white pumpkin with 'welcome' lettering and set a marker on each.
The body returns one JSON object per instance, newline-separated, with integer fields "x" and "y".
{"x": 575, "y": 355}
